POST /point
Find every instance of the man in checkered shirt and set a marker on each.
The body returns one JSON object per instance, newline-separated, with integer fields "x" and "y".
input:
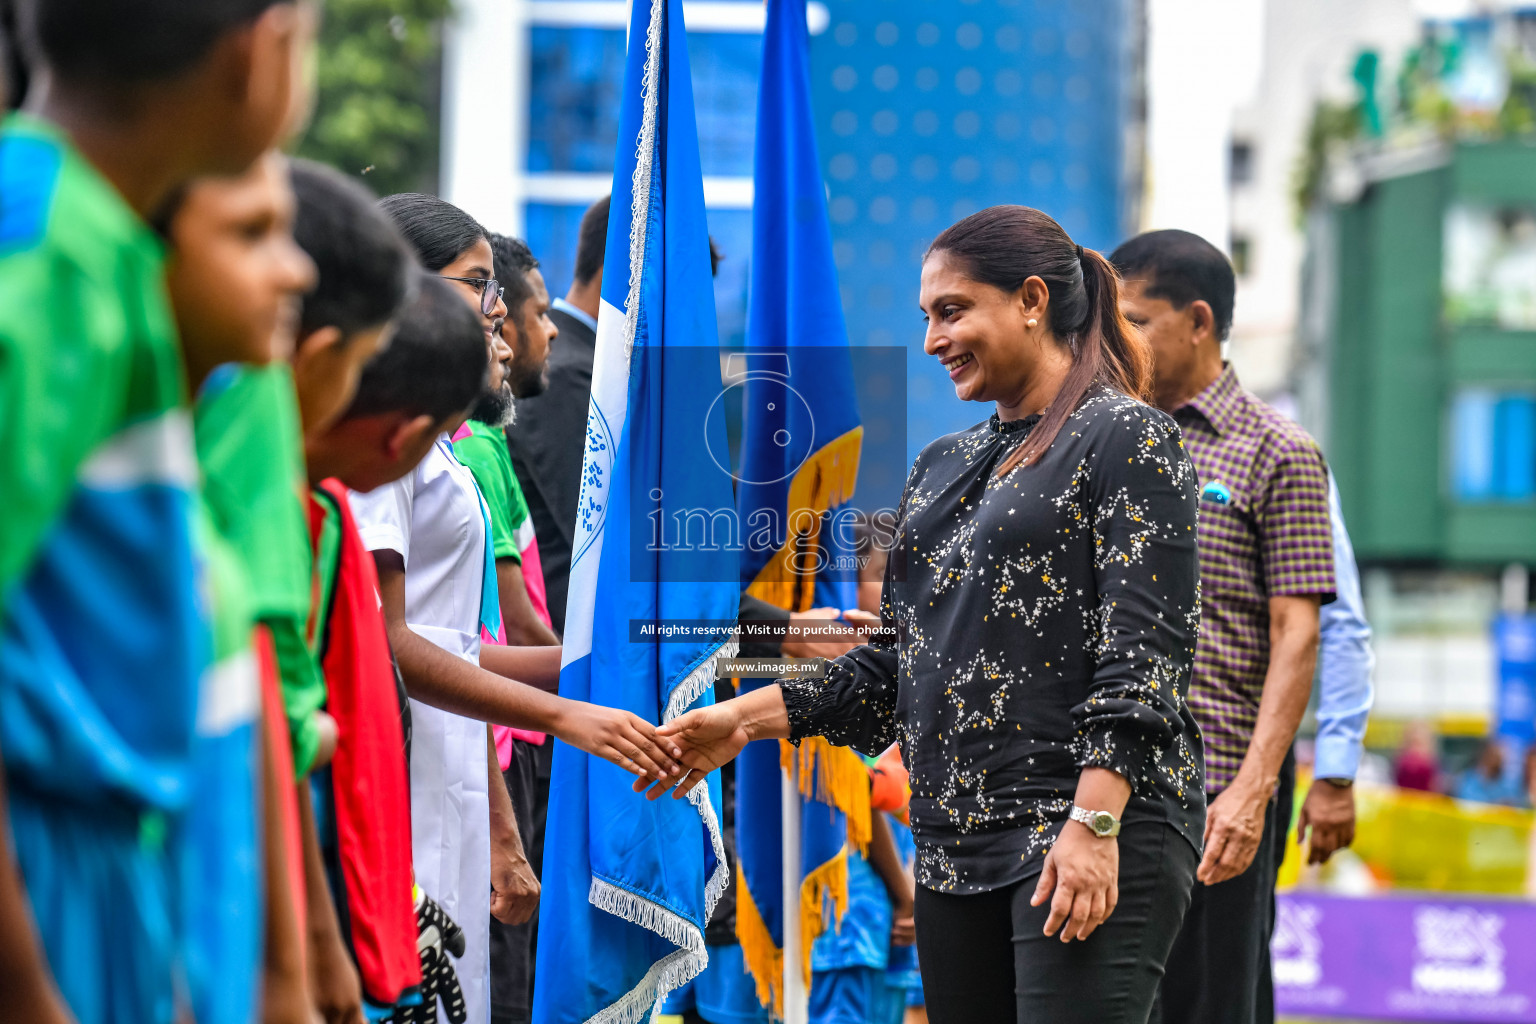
{"x": 1266, "y": 565}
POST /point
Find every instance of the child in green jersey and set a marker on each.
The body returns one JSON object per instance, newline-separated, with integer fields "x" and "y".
{"x": 234, "y": 277}
{"x": 129, "y": 100}
{"x": 236, "y": 282}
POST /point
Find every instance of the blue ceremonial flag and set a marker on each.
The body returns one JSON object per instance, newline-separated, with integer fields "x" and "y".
{"x": 629, "y": 884}
{"x": 800, "y": 429}
{"x": 799, "y": 461}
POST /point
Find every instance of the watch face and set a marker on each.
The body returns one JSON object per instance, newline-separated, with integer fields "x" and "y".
{"x": 1103, "y": 821}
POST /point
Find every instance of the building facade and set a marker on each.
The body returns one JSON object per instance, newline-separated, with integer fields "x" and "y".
{"x": 1422, "y": 283}
{"x": 925, "y": 113}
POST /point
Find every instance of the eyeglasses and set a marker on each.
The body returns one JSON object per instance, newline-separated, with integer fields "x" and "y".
{"x": 490, "y": 291}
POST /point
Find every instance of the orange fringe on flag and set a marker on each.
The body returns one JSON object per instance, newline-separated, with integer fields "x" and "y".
{"x": 828, "y": 883}
{"x": 835, "y": 776}
{"x": 825, "y": 479}
{"x": 832, "y": 775}
{"x": 764, "y": 960}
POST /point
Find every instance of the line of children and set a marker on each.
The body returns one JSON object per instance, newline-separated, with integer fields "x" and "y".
{"x": 366, "y": 277}
{"x": 266, "y": 573}
{"x": 433, "y": 545}
{"x": 208, "y": 752}
{"x": 105, "y": 579}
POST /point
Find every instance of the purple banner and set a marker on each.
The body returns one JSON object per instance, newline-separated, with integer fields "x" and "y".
{"x": 1397, "y": 958}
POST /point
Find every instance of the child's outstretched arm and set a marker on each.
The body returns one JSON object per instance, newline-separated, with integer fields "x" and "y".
{"x": 436, "y": 677}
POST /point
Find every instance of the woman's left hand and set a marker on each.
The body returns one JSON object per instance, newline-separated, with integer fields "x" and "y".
{"x": 1084, "y": 872}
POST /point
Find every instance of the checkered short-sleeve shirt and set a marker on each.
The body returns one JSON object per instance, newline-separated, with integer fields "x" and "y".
{"x": 1264, "y": 532}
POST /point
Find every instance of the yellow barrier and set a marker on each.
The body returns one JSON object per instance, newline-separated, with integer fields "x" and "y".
{"x": 1412, "y": 840}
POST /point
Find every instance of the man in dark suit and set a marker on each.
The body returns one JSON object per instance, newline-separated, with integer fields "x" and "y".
{"x": 546, "y": 443}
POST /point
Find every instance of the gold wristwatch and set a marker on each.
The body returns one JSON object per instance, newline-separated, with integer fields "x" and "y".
{"x": 1100, "y": 823}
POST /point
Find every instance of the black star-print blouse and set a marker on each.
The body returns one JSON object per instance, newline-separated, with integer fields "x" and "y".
{"x": 1044, "y": 622}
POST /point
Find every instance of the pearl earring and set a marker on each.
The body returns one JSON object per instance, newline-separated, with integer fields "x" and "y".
{"x": 1031, "y": 322}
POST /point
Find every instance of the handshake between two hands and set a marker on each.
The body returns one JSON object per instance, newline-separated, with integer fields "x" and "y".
{"x": 679, "y": 754}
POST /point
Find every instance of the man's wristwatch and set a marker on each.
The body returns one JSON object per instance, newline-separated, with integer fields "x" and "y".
{"x": 1338, "y": 783}
{"x": 1101, "y": 823}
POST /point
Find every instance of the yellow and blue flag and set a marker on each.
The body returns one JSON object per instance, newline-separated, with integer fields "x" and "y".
{"x": 801, "y": 438}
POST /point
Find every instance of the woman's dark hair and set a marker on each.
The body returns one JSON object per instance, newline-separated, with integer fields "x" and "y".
{"x": 365, "y": 268}
{"x": 437, "y": 230}
{"x": 436, "y": 362}
{"x": 131, "y": 41}
{"x": 1004, "y": 246}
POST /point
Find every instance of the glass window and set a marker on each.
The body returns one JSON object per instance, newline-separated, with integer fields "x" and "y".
{"x": 1240, "y": 170}
{"x": 551, "y": 235}
{"x": 1490, "y": 265}
{"x": 926, "y": 113}
{"x": 725, "y": 68}
{"x": 577, "y": 79}
{"x": 1493, "y": 446}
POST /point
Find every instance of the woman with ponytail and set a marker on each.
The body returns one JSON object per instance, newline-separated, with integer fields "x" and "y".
{"x": 1042, "y": 599}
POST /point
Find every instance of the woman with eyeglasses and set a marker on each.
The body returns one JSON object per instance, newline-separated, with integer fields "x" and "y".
{"x": 431, "y": 537}
{"x": 452, "y": 244}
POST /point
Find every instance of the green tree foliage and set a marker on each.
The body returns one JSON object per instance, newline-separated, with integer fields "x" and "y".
{"x": 1517, "y": 117}
{"x": 376, "y": 111}
{"x": 1332, "y": 125}
{"x": 1422, "y": 109}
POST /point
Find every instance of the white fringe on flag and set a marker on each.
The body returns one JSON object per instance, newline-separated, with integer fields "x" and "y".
{"x": 680, "y": 967}
{"x": 676, "y": 969}
{"x": 645, "y": 162}
{"x": 698, "y": 682}
{"x": 666, "y": 974}
{"x": 633, "y": 907}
